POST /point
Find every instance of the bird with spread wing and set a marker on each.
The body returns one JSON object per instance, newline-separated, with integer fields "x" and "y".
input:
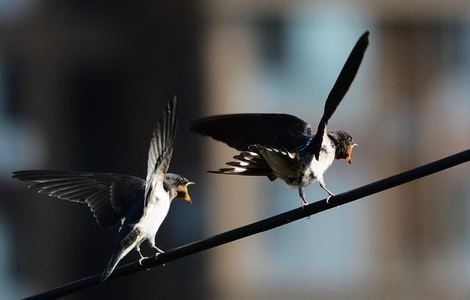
{"x": 284, "y": 146}
{"x": 139, "y": 205}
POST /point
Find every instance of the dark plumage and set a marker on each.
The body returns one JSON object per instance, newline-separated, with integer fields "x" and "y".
{"x": 139, "y": 205}
{"x": 283, "y": 146}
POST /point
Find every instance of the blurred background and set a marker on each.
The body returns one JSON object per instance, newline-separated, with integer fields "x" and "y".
{"x": 82, "y": 84}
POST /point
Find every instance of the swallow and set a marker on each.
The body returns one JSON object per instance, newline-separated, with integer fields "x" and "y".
{"x": 139, "y": 205}
{"x": 283, "y": 146}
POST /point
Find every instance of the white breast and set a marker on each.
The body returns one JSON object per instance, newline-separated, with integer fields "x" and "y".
{"x": 324, "y": 162}
{"x": 326, "y": 158}
{"x": 158, "y": 205}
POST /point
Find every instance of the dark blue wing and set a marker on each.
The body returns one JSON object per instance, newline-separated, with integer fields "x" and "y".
{"x": 240, "y": 131}
{"x": 340, "y": 88}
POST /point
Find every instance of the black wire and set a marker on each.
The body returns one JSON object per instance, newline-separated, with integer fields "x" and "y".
{"x": 262, "y": 225}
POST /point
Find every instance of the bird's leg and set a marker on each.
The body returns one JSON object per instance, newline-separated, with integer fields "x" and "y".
{"x": 160, "y": 251}
{"x": 152, "y": 245}
{"x": 302, "y": 195}
{"x": 140, "y": 253}
{"x": 330, "y": 194}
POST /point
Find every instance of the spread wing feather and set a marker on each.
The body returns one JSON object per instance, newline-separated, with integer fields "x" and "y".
{"x": 240, "y": 131}
{"x": 340, "y": 88}
{"x": 108, "y": 195}
{"x": 161, "y": 146}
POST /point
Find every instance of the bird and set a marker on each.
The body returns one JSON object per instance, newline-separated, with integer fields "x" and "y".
{"x": 139, "y": 205}
{"x": 284, "y": 146}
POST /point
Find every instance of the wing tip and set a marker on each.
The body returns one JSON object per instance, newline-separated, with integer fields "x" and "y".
{"x": 364, "y": 39}
{"x": 16, "y": 174}
{"x": 171, "y": 107}
{"x": 197, "y": 126}
{"x": 23, "y": 174}
{"x": 163, "y": 140}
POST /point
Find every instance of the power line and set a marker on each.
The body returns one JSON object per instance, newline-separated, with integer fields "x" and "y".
{"x": 263, "y": 225}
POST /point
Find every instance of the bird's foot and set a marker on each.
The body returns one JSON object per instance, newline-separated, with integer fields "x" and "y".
{"x": 140, "y": 254}
{"x": 141, "y": 259}
{"x": 304, "y": 201}
{"x": 330, "y": 194}
{"x": 157, "y": 254}
{"x": 159, "y": 251}
{"x": 329, "y": 197}
{"x": 302, "y": 196}
{"x": 304, "y": 204}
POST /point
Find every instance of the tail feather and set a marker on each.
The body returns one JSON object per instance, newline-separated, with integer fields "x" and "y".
{"x": 122, "y": 248}
{"x": 248, "y": 164}
{"x": 113, "y": 262}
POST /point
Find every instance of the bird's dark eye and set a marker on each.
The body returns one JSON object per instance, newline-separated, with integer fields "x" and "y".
{"x": 181, "y": 180}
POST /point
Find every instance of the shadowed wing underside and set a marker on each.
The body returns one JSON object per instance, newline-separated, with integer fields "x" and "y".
{"x": 240, "y": 131}
{"x": 161, "y": 147}
{"x": 108, "y": 195}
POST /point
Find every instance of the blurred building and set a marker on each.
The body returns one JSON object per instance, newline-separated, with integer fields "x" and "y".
{"x": 81, "y": 86}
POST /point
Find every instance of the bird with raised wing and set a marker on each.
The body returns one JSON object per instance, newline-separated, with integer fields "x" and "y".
{"x": 283, "y": 146}
{"x": 139, "y": 205}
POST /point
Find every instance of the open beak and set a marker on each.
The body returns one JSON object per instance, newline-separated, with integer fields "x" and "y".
{"x": 349, "y": 151}
{"x": 187, "y": 198}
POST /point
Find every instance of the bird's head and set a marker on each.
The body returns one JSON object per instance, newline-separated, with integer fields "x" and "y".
{"x": 178, "y": 186}
{"x": 344, "y": 144}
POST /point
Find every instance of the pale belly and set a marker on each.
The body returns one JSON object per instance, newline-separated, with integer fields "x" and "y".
{"x": 314, "y": 172}
{"x": 318, "y": 167}
{"x": 155, "y": 213}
